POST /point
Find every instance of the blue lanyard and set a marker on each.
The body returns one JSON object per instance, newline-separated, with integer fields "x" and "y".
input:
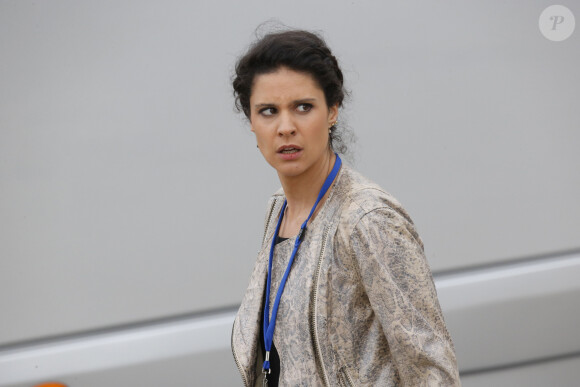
{"x": 270, "y": 325}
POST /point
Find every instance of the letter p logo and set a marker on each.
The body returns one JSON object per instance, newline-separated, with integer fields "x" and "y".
{"x": 557, "y": 23}
{"x": 557, "y": 20}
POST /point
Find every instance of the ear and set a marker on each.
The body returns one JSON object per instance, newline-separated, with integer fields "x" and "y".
{"x": 332, "y": 113}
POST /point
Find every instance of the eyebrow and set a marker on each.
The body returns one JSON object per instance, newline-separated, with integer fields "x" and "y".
{"x": 295, "y": 102}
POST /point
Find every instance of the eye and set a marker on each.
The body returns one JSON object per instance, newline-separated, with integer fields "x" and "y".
{"x": 304, "y": 107}
{"x": 269, "y": 111}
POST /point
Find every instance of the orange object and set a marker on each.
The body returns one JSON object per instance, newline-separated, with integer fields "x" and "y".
{"x": 51, "y": 384}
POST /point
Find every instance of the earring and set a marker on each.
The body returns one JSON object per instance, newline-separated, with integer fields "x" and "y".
{"x": 332, "y": 126}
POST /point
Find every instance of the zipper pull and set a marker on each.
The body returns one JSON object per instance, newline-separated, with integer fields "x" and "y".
{"x": 266, "y": 369}
{"x": 265, "y": 382}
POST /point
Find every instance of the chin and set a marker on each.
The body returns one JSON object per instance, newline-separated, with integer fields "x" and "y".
{"x": 289, "y": 170}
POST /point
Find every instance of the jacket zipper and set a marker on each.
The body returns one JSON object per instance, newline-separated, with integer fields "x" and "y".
{"x": 313, "y": 319}
{"x": 236, "y": 358}
{"x": 268, "y": 221}
{"x": 233, "y": 326}
{"x": 346, "y": 377}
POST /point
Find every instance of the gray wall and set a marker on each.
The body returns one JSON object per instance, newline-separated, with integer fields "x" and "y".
{"x": 131, "y": 191}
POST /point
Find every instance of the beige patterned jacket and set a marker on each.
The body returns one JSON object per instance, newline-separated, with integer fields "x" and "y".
{"x": 373, "y": 313}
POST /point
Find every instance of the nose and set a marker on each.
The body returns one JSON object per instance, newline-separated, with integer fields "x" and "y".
{"x": 286, "y": 126}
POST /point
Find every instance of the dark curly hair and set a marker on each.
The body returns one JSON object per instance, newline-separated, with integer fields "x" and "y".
{"x": 298, "y": 50}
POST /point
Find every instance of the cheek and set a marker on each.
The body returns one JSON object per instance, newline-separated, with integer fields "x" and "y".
{"x": 323, "y": 130}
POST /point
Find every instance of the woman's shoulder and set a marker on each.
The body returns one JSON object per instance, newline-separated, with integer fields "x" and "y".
{"x": 367, "y": 206}
{"x": 363, "y": 196}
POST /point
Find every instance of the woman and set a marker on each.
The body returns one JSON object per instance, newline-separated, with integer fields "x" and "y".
{"x": 341, "y": 293}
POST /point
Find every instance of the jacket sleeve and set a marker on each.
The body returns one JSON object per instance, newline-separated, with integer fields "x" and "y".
{"x": 399, "y": 285}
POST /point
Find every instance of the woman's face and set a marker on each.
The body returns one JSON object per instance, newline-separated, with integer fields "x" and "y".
{"x": 290, "y": 119}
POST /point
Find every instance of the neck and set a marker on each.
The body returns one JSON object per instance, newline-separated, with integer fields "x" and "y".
{"x": 301, "y": 191}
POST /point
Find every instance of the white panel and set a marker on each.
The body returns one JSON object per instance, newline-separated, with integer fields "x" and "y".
{"x": 513, "y": 313}
{"x": 560, "y": 372}
{"x": 162, "y": 347}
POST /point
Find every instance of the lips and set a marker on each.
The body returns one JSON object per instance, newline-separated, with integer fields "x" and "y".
{"x": 289, "y": 152}
{"x": 289, "y": 149}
